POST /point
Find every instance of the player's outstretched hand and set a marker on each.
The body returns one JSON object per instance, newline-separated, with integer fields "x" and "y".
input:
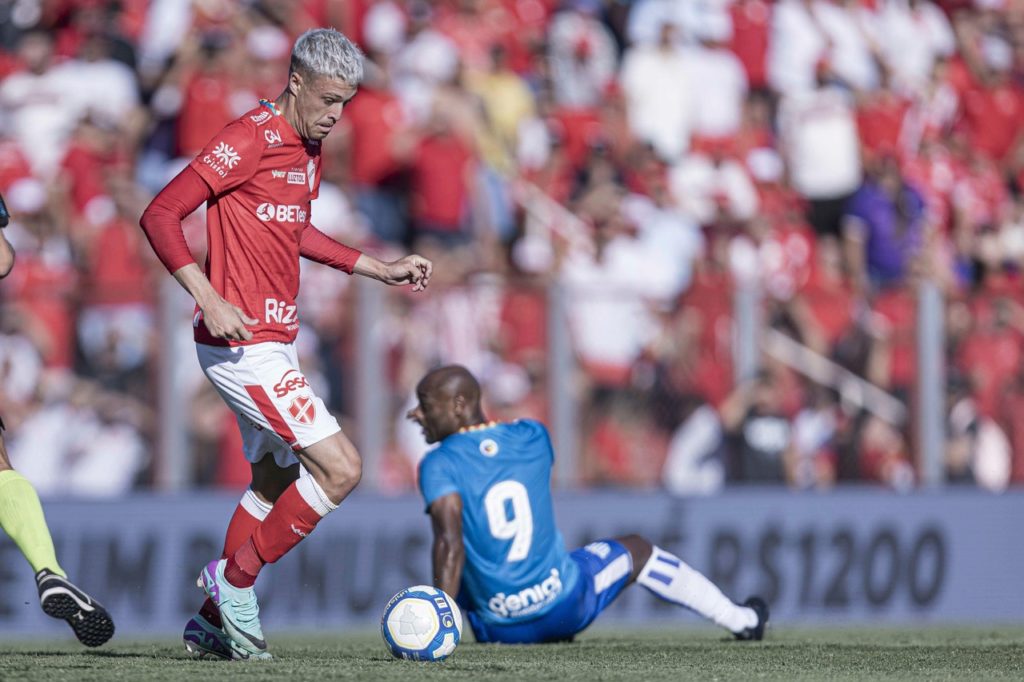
{"x": 413, "y": 269}
{"x": 227, "y": 321}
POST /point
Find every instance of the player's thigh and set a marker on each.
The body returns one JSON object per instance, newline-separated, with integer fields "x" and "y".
{"x": 276, "y": 407}
{"x": 607, "y": 566}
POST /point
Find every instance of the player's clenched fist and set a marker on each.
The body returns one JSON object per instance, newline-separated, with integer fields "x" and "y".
{"x": 413, "y": 269}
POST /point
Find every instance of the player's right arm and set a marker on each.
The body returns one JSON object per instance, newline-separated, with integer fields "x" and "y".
{"x": 162, "y": 224}
{"x": 449, "y": 552}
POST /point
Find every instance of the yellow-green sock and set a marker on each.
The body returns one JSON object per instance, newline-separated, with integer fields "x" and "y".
{"x": 21, "y": 517}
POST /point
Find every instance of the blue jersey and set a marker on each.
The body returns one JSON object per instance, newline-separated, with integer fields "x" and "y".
{"x": 517, "y": 567}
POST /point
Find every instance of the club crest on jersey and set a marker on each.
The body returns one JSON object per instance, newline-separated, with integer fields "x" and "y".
{"x": 272, "y": 137}
{"x": 310, "y": 172}
{"x": 488, "y": 448}
{"x": 302, "y": 409}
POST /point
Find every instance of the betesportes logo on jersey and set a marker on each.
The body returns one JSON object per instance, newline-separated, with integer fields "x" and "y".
{"x": 282, "y": 213}
{"x": 528, "y": 600}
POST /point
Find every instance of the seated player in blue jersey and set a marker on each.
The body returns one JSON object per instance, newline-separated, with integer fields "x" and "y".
{"x": 496, "y": 548}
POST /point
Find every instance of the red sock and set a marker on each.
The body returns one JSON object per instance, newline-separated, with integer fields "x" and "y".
{"x": 294, "y": 516}
{"x": 249, "y": 514}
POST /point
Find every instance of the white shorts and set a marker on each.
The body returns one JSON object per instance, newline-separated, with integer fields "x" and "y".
{"x": 276, "y": 408}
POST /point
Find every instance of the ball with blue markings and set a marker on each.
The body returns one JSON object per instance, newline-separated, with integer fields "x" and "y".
{"x": 421, "y": 623}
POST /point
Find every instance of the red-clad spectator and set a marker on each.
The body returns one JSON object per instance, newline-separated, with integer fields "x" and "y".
{"x": 896, "y": 309}
{"x": 209, "y": 94}
{"x": 991, "y": 355}
{"x": 830, "y": 300}
{"x": 751, "y": 29}
{"x": 880, "y": 120}
{"x": 371, "y": 124}
{"x": 442, "y": 184}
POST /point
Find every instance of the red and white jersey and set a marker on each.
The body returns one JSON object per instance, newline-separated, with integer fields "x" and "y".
{"x": 263, "y": 176}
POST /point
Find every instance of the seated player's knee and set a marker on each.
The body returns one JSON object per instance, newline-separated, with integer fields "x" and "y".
{"x": 640, "y": 549}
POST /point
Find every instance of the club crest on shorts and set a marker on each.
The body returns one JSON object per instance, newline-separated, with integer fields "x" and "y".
{"x": 302, "y": 409}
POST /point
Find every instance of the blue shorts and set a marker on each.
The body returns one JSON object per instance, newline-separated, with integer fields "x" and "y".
{"x": 605, "y": 568}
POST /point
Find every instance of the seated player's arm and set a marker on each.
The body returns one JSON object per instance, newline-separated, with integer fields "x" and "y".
{"x": 162, "y": 224}
{"x": 449, "y": 553}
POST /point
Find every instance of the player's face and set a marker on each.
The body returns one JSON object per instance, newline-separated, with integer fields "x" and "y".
{"x": 319, "y": 101}
{"x": 436, "y": 414}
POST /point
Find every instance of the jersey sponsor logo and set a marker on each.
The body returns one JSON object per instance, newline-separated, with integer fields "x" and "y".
{"x": 488, "y": 448}
{"x": 261, "y": 117}
{"x": 277, "y": 174}
{"x": 296, "y": 178}
{"x": 282, "y": 213}
{"x": 279, "y": 312}
{"x": 302, "y": 409}
{"x": 226, "y": 154}
{"x": 272, "y": 137}
{"x": 528, "y": 600}
{"x": 291, "y": 381}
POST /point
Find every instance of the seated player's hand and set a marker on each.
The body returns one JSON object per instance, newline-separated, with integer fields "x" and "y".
{"x": 227, "y": 321}
{"x": 413, "y": 269}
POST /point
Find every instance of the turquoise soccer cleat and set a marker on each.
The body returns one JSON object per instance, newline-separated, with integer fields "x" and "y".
{"x": 239, "y": 611}
{"x": 203, "y": 639}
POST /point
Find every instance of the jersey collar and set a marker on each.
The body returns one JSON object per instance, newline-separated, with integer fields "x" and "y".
{"x": 478, "y": 427}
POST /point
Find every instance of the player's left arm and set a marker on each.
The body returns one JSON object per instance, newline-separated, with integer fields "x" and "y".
{"x": 449, "y": 552}
{"x": 413, "y": 269}
{"x": 318, "y": 247}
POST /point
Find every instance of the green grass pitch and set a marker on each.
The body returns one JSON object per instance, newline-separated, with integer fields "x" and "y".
{"x": 976, "y": 653}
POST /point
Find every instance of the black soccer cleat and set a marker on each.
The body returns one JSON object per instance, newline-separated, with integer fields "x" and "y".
{"x": 59, "y": 598}
{"x": 755, "y": 633}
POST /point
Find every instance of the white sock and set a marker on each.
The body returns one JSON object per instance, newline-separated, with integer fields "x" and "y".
{"x": 315, "y": 496}
{"x": 667, "y": 576}
{"x": 256, "y": 507}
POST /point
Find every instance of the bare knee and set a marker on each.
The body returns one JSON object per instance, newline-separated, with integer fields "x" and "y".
{"x": 341, "y": 476}
{"x": 640, "y": 550}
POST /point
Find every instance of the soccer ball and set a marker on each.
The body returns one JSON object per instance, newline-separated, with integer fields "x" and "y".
{"x": 421, "y": 623}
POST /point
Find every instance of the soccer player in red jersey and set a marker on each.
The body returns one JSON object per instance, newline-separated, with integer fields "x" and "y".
{"x": 258, "y": 176}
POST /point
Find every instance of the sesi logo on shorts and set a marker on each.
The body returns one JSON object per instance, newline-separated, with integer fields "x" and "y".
{"x": 291, "y": 381}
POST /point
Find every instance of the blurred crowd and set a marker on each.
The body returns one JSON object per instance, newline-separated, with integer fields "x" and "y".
{"x": 625, "y": 169}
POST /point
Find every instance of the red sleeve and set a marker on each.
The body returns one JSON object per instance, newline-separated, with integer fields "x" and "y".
{"x": 318, "y": 247}
{"x": 162, "y": 219}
